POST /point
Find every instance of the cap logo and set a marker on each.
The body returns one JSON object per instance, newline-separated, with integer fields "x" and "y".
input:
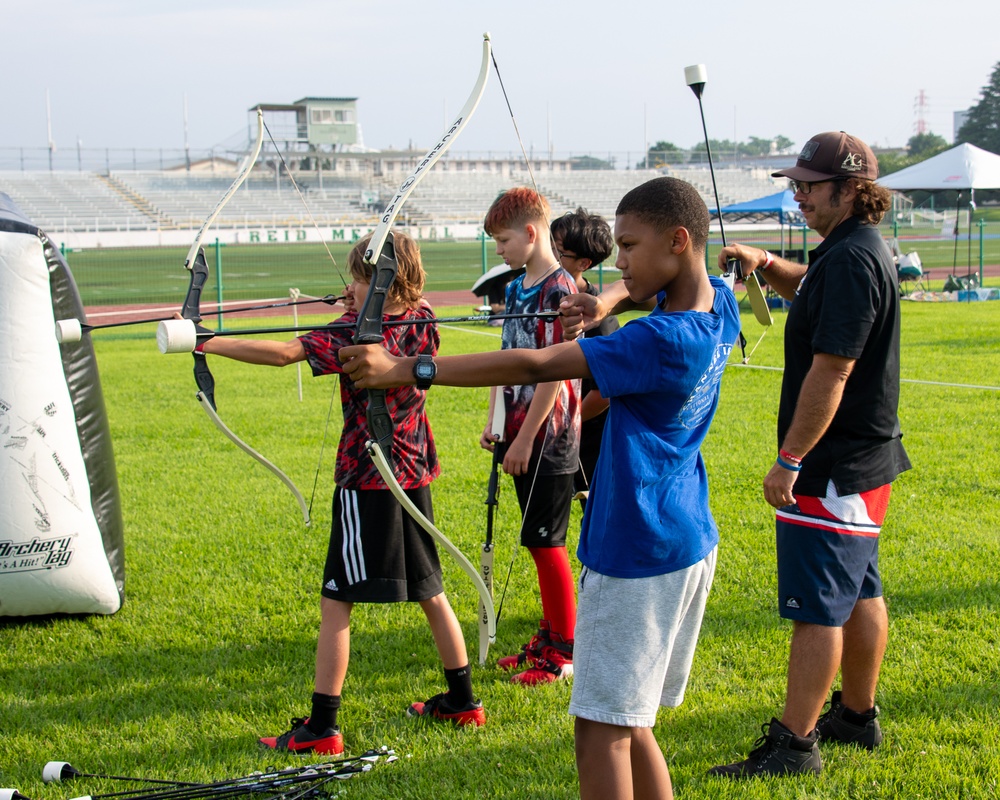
{"x": 808, "y": 151}
{"x": 853, "y": 163}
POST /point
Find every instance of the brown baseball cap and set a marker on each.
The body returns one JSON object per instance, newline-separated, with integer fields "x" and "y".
{"x": 833, "y": 154}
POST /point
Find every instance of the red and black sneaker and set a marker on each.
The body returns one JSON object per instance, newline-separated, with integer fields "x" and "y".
{"x": 555, "y": 662}
{"x": 302, "y": 740}
{"x": 530, "y": 651}
{"x": 438, "y": 707}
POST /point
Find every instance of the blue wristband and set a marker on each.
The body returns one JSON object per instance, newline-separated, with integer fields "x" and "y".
{"x": 786, "y": 465}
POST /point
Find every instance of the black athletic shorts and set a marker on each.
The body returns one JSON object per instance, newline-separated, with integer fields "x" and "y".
{"x": 544, "y": 521}
{"x": 378, "y": 553}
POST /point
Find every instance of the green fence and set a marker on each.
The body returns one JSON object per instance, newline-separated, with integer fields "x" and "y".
{"x": 156, "y": 275}
{"x": 941, "y": 252}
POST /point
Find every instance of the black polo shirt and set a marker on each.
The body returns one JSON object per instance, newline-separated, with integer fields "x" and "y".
{"x": 848, "y": 305}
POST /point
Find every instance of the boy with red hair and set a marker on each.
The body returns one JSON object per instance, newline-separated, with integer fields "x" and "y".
{"x": 541, "y": 433}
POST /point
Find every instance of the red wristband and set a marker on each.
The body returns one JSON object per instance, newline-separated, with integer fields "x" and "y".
{"x": 784, "y": 454}
{"x": 768, "y": 260}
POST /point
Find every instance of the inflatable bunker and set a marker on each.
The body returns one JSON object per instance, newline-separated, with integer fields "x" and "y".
{"x": 61, "y": 539}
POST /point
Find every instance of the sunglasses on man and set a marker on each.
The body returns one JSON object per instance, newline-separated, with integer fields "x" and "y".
{"x": 806, "y": 187}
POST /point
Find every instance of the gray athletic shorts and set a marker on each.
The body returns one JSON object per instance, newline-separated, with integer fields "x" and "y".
{"x": 635, "y": 641}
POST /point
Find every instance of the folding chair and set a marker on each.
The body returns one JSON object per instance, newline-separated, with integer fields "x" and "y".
{"x": 909, "y": 270}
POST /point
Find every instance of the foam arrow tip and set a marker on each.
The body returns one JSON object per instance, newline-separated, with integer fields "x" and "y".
{"x": 11, "y": 794}
{"x": 56, "y": 771}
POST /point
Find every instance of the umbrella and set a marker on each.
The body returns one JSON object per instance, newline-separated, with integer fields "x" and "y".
{"x": 492, "y": 282}
{"x": 781, "y": 205}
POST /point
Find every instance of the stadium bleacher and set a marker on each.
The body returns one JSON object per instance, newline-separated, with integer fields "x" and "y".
{"x": 72, "y": 201}
{"x": 164, "y": 200}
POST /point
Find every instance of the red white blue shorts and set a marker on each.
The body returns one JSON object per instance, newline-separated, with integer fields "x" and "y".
{"x": 827, "y": 551}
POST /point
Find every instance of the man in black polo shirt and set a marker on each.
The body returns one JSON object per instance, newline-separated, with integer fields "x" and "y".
{"x": 839, "y": 450}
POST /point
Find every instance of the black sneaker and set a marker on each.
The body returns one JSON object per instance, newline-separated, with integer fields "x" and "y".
{"x": 777, "y": 752}
{"x": 302, "y": 740}
{"x": 834, "y": 727}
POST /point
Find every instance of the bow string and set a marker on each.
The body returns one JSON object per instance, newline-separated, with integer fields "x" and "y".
{"x": 381, "y": 257}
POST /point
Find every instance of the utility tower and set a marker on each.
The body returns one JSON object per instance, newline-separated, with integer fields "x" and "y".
{"x": 920, "y": 112}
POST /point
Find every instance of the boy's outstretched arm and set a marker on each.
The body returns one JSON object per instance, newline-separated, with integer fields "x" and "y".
{"x": 372, "y": 367}
{"x": 257, "y": 351}
{"x": 266, "y": 352}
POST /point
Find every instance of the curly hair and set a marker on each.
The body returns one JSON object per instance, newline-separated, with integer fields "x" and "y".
{"x": 871, "y": 201}
{"x": 408, "y": 287}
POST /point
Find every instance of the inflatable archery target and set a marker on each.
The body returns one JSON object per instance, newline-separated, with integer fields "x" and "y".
{"x": 61, "y": 545}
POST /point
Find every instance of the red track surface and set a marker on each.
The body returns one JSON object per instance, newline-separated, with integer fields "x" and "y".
{"x": 465, "y": 301}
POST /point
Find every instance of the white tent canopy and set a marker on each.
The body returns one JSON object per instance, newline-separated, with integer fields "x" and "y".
{"x": 962, "y": 168}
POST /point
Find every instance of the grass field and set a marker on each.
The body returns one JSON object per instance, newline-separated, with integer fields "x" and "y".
{"x": 215, "y": 643}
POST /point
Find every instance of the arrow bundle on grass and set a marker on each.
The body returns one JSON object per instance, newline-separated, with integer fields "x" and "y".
{"x": 296, "y": 783}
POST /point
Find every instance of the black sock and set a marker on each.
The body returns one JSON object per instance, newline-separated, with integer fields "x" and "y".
{"x": 459, "y": 686}
{"x": 324, "y": 712}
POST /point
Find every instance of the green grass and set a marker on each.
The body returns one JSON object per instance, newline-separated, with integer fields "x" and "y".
{"x": 215, "y": 643}
{"x": 986, "y": 214}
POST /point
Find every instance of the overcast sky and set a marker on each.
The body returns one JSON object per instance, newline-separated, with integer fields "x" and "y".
{"x": 583, "y": 77}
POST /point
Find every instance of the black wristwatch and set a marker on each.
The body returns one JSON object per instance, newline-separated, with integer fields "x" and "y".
{"x": 424, "y": 371}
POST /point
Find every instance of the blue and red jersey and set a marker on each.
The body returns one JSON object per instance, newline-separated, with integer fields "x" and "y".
{"x": 558, "y": 442}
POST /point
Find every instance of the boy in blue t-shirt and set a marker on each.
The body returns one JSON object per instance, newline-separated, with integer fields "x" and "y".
{"x": 648, "y": 542}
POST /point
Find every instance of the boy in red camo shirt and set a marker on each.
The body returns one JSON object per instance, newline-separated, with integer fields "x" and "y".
{"x": 370, "y": 529}
{"x": 541, "y": 432}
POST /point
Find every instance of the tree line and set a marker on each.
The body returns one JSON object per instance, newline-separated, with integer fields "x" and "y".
{"x": 981, "y": 128}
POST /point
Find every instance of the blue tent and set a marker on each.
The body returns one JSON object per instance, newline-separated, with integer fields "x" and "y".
{"x": 781, "y": 205}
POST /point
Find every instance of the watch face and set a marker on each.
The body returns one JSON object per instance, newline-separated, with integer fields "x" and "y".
{"x": 424, "y": 370}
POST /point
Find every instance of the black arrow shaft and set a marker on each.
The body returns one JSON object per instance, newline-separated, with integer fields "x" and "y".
{"x": 545, "y": 316}
{"x": 328, "y": 299}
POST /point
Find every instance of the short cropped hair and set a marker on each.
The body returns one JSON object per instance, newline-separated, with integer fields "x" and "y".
{"x": 667, "y": 202}
{"x": 514, "y": 207}
{"x": 408, "y": 287}
{"x": 871, "y": 201}
{"x": 584, "y": 234}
